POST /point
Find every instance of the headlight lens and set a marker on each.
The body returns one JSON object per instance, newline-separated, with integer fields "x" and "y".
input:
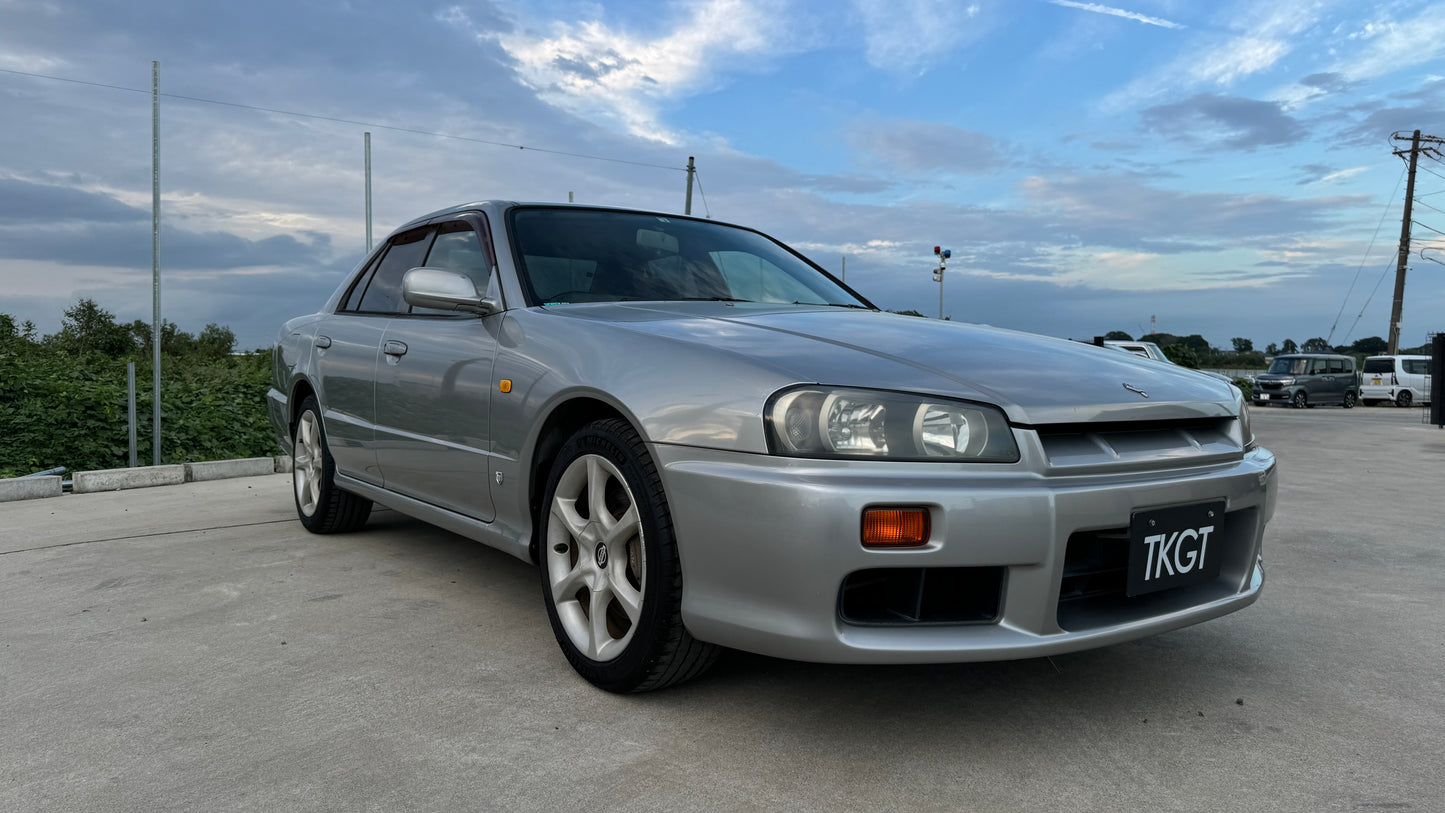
{"x": 836, "y": 422}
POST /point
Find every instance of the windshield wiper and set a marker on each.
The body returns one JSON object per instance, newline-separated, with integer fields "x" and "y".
{"x": 709, "y": 299}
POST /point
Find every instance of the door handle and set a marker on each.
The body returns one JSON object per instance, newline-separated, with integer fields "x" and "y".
{"x": 323, "y": 342}
{"x": 394, "y": 348}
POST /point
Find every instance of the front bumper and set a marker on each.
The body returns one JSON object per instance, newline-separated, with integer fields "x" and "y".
{"x": 767, "y": 542}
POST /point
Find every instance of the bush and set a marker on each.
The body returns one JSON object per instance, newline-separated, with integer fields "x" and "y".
{"x": 63, "y": 398}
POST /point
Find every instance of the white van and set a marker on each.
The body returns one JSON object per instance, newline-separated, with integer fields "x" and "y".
{"x": 1402, "y": 379}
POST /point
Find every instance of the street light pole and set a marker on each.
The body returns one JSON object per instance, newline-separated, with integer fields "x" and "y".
{"x": 942, "y": 254}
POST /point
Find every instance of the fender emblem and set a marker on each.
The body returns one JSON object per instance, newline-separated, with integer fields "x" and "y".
{"x": 1132, "y": 388}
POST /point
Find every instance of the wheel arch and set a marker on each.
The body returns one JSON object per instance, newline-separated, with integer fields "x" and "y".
{"x": 301, "y": 389}
{"x": 565, "y": 419}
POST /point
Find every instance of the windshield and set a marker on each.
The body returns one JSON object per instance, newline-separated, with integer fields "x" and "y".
{"x": 588, "y": 255}
{"x": 1289, "y": 366}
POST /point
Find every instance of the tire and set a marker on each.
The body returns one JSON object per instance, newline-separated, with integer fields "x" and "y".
{"x": 607, "y": 539}
{"x": 320, "y": 505}
{"x": 1349, "y": 402}
{"x": 1300, "y": 400}
{"x": 1404, "y": 398}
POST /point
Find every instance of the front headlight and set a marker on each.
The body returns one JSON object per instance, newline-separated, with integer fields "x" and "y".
{"x": 837, "y": 422}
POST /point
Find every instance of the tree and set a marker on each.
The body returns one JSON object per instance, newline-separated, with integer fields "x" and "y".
{"x": 907, "y": 313}
{"x": 1242, "y": 345}
{"x": 1372, "y": 346}
{"x": 215, "y": 342}
{"x": 87, "y": 327}
{"x": 1183, "y": 355}
{"x": 1272, "y": 350}
{"x": 1161, "y": 339}
{"x": 1316, "y": 345}
{"x": 1198, "y": 344}
{"x": 1117, "y": 336}
{"x": 1289, "y": 346}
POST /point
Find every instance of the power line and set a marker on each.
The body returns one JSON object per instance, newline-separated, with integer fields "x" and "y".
{"x": 354, "y": 122}
{"x": 698, "y": 177}
{"x": 1366, "y": 258}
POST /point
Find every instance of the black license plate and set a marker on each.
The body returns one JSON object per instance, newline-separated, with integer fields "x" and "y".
{"x": 1174, "y": 547}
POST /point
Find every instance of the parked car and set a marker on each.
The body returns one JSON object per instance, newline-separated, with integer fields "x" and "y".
{"x": 1150, "y": 350}
{"x": 1404, "y": 380}
{"x": 703, "y": 440}
{"x": 1305, "y": 380}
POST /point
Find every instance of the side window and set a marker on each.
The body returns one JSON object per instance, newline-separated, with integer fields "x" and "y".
{"x": 1417, "y": 366}
{"x": 457, "y": 249}
{"x": 1337, "y": 365}
{"x": 383, "y": 292}
{"x": 1318, "y": 366}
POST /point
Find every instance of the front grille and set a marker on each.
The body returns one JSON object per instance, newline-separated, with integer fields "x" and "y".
{"x": 922, "y": 595}
{"x": 1268, "y": 385}
{"x": 1075, "y": 448}
{"x": 1091, "y": 590}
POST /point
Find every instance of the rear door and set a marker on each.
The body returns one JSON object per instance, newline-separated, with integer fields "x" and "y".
{"x": 348, "y": 346}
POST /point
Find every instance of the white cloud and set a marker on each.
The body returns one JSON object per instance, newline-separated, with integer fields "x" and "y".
{"x": 1393, "y": 46}
{"x": 593, "y": 69}
{"x": 1117, "y": 12}
{"x": 905, "y": 36}
{"x": 1261, "y": 37}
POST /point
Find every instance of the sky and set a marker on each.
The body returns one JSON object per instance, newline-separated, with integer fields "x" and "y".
{"x": 1221, "y": 168}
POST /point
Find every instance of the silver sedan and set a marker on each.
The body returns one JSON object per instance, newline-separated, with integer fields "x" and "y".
{"x": 703, "y": 440}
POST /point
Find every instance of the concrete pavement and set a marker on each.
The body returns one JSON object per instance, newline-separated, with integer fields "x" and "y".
{"x": 191, "y": 647}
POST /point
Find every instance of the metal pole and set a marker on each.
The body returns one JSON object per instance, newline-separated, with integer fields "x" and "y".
{"x": 367, "y": 139}
{"x": 1399, "y": 304}
{"x": 687, "y": 205}
{"x": 940, "y": 293}
{"x": 130, "y": 410}
{"x": 155, "y": 263}
{"x": 845, "y": 269}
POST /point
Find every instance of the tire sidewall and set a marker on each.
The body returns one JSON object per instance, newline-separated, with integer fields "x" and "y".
{"x": 630, "y": 668}
{"x": 317, "y": 520}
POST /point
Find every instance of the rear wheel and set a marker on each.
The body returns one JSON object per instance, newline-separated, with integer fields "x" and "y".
{"x": 1299, "y": 401}
{"x": 321, "y": 506}
{"x": 1404, "y": 399}
{"x": 1349, "y": 400}
{"x": 610, "y": 573}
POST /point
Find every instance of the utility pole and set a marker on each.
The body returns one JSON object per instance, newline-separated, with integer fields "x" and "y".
{"x": 691, "y": 170}
{"x": 366, "y": 148}
{"x": 156, "y": 263}
{"x": 1398, "y": 307}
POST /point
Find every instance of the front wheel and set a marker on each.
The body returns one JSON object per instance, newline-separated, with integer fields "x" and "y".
{"x": 610, "y": 573}
{"x": 321, "y": 506}
{"x": 1300, "y": 400}
{"x": 1404, "y": 399}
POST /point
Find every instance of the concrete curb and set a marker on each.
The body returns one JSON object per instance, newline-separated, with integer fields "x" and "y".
{"x": 83, "y": 482}
{"x": 29, "y": 488}
{"x": 116, "y": 479}
{"x": 225, "y": 469}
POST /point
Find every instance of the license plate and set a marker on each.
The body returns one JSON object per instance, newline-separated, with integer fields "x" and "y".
{"x": 1377, "y": 382}
{"x": 1174, "y": 547}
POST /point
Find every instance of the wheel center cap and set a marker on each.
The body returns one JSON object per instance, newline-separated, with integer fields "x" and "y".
{"x": 602, "y": 556}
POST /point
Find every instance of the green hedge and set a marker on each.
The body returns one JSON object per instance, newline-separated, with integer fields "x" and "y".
{"x": 58, "y": 409}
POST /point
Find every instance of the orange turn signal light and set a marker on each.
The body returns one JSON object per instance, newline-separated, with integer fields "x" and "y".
{"x": 895, "y": 527}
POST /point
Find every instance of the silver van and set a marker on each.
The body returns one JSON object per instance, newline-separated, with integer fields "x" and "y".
{"x": 1405, "y": 380}
{"x": 1308, "y": 379}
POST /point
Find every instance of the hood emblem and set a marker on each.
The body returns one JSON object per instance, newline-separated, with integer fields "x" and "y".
{"x": 1132, "y": 388}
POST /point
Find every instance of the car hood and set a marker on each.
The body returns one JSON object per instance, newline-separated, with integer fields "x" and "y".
{"x": 1034, "y": 379}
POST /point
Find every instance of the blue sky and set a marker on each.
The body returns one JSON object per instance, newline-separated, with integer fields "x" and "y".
{"x": 1221, "y": 168}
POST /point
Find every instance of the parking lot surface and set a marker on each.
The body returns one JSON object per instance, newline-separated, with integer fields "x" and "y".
{"x": 191, "y": 647}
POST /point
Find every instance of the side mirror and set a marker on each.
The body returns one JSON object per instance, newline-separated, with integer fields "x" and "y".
{"x": 446, "y": 290}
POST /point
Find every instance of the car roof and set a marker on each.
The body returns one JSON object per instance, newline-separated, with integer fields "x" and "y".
{"x": 508, "y": 204}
